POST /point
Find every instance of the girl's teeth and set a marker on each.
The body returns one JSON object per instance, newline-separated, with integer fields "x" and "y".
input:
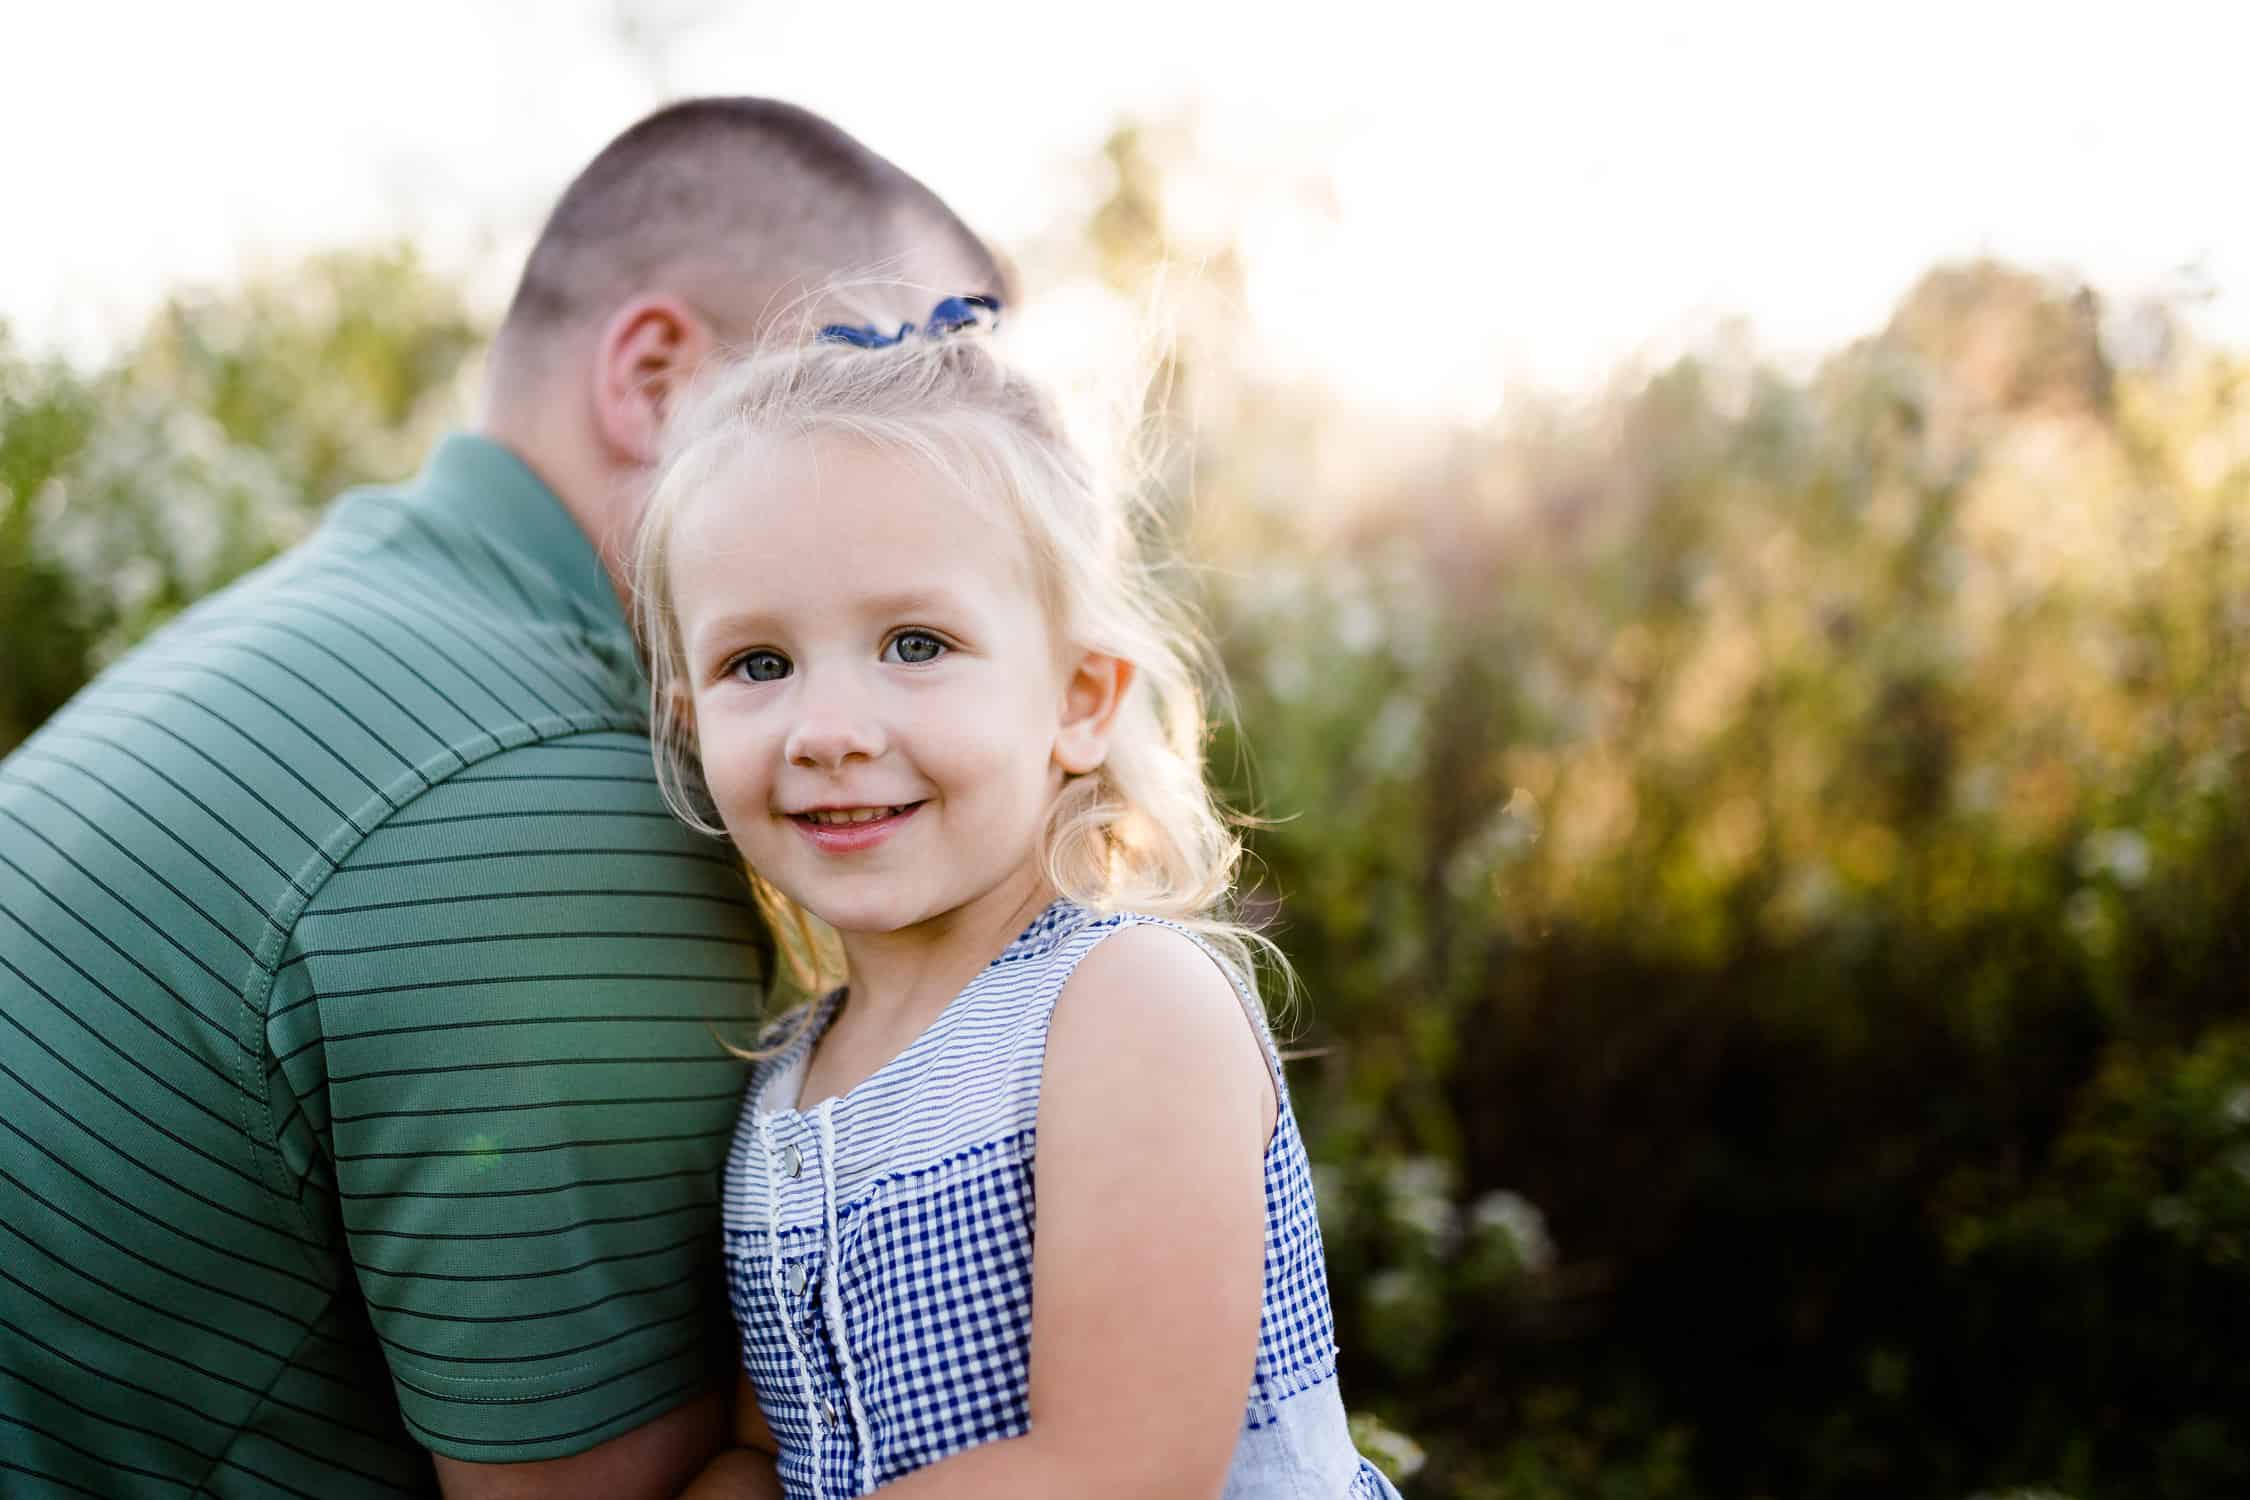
{"x": 855, "y": 815}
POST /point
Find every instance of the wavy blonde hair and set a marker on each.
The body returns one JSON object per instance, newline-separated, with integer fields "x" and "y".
{"x": 1143, "y": 833}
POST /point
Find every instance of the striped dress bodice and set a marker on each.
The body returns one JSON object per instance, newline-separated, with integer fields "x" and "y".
{"x": 879, "y": 1250}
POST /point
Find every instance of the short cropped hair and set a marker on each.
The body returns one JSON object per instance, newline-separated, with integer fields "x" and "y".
{"x": 729, "y": 203}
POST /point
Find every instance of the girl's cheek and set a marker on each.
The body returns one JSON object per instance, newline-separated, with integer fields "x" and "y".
{"x": 729, "y": 764}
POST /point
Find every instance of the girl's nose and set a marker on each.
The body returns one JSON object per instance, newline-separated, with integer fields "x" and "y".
{"x": 832, "y": 732}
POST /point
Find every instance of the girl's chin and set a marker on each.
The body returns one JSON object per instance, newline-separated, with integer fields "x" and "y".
{"x": 881, "y": 916}
{"x": 862, "y": 916}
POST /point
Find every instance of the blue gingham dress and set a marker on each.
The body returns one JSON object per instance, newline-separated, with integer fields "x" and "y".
{"x": 878, "y": 1251}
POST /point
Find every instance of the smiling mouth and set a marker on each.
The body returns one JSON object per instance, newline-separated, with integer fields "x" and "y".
{"x": 852, "y": 830}
{"x": 846, "y": 817}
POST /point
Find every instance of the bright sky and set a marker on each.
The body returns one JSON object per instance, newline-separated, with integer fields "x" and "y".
{"x": 1521, "y": 191}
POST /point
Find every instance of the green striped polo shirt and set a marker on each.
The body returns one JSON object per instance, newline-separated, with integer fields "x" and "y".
{"x": 361, "y": 1081}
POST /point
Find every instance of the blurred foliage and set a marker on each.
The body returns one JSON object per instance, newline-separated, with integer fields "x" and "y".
{"x": 212, "y": 442}
{"x": 1768, "y": 852}
{"x": 1793, "y": 833}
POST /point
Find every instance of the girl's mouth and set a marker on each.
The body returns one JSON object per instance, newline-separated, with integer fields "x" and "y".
{"x": 844, "y": 829}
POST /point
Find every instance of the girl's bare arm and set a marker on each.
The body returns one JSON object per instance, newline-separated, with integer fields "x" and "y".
{"x": 745, "y": 1471}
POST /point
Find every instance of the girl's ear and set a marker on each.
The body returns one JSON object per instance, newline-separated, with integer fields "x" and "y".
{"x": 1092, "y": 695}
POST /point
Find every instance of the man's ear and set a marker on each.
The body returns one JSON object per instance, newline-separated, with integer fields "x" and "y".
{"x": 648, "y": 351}
{"x": 1092, "y": 695}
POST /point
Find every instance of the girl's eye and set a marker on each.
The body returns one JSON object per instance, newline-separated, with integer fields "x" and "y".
{"x": 914, "y": 647}
{"x": 762, "y": 666}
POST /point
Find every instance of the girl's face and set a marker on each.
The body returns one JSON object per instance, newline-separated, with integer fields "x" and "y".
{"x": 881, "y": 707}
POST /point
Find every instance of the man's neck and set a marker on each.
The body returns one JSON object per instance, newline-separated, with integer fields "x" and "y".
{"x": 589, "y": 496}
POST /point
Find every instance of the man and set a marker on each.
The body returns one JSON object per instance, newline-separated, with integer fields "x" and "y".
{"x": 361, "y": 1092}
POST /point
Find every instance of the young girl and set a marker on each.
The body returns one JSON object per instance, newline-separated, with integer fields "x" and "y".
{"x": 1020, "y": 1208}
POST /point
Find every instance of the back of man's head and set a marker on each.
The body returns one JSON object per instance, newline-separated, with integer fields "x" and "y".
{"x": 739, "y": 207}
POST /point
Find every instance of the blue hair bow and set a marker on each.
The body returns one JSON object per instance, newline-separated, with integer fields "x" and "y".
{"x": 950, "y": 316}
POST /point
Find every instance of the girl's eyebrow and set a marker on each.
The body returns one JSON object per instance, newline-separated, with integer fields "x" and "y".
{"x": 935, "y": 599}
{"x": 728, "y": 626}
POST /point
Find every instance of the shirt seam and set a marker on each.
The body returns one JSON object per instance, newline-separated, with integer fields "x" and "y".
{"x": 437, "y": 1379}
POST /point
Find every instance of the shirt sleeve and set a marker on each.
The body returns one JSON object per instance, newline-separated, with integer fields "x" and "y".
{"x": 504, "y": 1017}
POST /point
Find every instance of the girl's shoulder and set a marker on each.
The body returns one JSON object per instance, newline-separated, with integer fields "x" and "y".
{"x": 1149, "y": 989}
{"x": 1067, "y": 932}
{"x": 1163, "y": 960}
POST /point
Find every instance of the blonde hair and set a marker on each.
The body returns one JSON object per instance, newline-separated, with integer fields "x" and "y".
{"x": 1143, "y": 833}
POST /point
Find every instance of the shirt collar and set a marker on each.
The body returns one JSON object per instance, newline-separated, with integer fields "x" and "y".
{"x": 480, "y": 485}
